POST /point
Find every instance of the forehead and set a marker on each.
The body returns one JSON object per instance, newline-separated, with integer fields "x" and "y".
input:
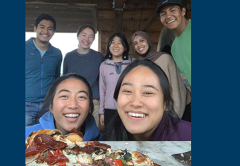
{"x": 47, "y": 23}
{"x": 72, "y": 83}
{"x": 168, "y": 6}
{"x": 137, "y": 37}
{"x": 142, "y": 74}
{"x": 117, "y": 38}
{"x": 87, "y": 31}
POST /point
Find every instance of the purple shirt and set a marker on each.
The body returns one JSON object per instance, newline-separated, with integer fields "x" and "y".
{"x": 181, "y": 132}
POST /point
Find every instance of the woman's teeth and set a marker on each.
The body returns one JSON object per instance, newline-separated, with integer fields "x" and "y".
{"x": 71, "y": 115}
{"x": 137, "y": 115}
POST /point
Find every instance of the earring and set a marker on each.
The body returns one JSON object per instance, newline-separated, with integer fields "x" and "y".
{"x": 110, "y": 56}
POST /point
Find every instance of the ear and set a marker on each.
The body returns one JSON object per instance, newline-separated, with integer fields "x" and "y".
{"x": 35, "y": 29}
{"x": 183, "y": 11}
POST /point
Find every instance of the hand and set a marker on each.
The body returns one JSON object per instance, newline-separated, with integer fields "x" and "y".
{"x": 101, "y": 119}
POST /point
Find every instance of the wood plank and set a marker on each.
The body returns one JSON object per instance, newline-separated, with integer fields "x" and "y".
{"x": 119, "y": 4}
{"x": 118, "y": 21}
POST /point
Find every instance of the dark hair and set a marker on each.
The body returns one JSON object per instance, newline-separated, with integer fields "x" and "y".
{"x": 116, "y": 130}
{"x": 81, "y": 28}
{"x": 124, "y": 43}
{"x": 48, "y": 101}
{"x": 44, "y": 16}
{"x": 167, "y": 49}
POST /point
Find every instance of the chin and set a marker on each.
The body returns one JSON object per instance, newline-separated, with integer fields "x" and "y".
{"x": 134, "y": 130}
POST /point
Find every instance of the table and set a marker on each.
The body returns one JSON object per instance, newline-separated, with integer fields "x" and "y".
{"x": 159, "y": 151}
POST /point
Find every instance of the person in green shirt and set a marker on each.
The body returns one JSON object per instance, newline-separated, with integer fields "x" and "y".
{"x": 173, "y": 16}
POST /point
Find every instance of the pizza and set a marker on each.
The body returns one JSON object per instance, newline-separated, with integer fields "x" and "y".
{"x": 48, "y": 147}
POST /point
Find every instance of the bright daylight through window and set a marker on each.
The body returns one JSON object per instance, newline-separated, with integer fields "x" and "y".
{"x": 66, "y": 42}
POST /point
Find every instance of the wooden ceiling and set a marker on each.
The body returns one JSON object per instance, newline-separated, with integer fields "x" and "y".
{"x": 70, "y": 14}
{"x": 107, "y": 16}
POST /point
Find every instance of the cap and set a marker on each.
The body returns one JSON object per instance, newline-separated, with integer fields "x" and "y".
{"x": 164, "y": 2}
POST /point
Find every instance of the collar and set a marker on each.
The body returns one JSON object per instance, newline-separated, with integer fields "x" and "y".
{"x": 30, "y": 43}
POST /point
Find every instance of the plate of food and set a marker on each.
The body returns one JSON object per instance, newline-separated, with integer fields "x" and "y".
{"x": 48, "y": 147}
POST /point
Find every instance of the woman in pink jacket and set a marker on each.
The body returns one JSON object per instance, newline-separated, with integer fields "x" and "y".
{"x": 116, "y": 60}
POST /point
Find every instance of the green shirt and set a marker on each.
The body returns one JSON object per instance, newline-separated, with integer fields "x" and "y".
{"x": 181, "y": 52}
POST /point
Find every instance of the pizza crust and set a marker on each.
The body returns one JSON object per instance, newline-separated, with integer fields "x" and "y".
{"x": 140, "y": 159}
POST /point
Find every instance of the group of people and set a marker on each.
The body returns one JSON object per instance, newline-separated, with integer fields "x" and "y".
{"x": 141, "y": 99}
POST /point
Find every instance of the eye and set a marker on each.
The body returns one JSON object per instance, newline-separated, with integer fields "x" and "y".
{"x": 162, "y": 14}
{"x": 82, "y": 97}
{"x": 126, "y": 91}
{"x": 63, "y": 97}
{"x": 135, "y": 43}
{"x": 147, "y": 93}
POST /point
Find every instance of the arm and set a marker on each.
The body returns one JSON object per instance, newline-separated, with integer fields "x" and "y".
{"x": 102, "y": 93}
{"x": 65, "y": 64}
{"x": 179, "y": 91}
{"x": 58, "y": 69}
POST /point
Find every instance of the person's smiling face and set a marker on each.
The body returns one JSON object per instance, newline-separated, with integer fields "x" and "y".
{"x": 86, "y": 38}
{"x": 70, "y": 105}
{"x": 44, "y": 30}
{"x": 140, "y": 44}
{"x": 140, "y": 101}
{"x": 116, "y": 47}
{"x": 172, "y": 16}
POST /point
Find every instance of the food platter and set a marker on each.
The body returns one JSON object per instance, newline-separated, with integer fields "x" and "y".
{"x": 159, "y": 151}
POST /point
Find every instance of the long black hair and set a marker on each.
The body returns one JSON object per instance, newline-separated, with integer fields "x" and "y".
{"x": 124, "y": 43}
{"x": 116, "y": 131}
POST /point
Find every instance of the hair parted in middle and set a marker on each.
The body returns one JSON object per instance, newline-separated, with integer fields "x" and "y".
{"x": 124, "y": 43}
{"x": 81, "y": 28}
{"x": 48, "y": 101}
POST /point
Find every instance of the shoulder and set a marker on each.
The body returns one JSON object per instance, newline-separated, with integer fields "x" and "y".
{"x": 91, "y": 130}
{"x": 183, "y": 132}
{"x": 29, "y": 43}
{"x": 30, "y": 129}
{"x": 164, "y": 60}
{"x": 70, "y": 54}
{"x": 97, "y": 54}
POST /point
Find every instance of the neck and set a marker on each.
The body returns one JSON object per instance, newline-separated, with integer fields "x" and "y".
{"x": 41, "y": 45}
{"x": 117, "y": 59}
{"x": 179, "y": 30}
{"x": 83, "y": 50}
{"x": 141, "y": 137}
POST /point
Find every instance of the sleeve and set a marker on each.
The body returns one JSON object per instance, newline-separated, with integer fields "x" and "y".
{"x": 58, "y": 69}
{"x": 65, "y": 64}
{"x": 102, "y": 89}
{"x": 179, "y": 91}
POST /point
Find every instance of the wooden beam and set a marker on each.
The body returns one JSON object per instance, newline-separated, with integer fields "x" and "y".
{"x": 119, "y": 4}
{"x": 144, "y": 25}
{"x": 118, "y": 21}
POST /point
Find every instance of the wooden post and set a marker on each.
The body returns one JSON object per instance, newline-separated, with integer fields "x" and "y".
{"x": 118, "y": 21}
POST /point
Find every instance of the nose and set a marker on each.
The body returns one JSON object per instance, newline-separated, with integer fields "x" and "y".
{"x": 45, "y": 30}
{"x": 73, "y": 104}
{"x": 136, "y": 101}
{"x": 168, "y": 14}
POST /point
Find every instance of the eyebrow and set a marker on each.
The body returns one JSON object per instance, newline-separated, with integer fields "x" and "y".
{"x": 145, "y": 86}
{"x": 64, "y": 90}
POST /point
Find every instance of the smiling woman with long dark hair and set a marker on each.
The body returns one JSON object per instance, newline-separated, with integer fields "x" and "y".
{"x": 69, "y": 100}
{"x": 145, "y": 107}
